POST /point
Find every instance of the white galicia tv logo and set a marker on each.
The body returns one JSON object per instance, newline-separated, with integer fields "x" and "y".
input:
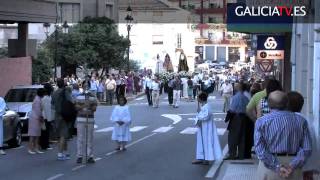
{"x": 271, "y": 11}
{"x": 270, "y": 43}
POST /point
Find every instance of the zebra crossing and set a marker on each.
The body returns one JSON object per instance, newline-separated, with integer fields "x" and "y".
{"x": 164, "y": 129}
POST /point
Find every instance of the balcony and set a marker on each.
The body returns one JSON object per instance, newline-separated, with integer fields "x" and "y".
{"x": 211, "y": 11}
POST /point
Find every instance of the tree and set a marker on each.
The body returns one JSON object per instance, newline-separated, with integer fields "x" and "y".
{"x": 3, "y": 52}
{"x": 94, "y": 42}
{"x": 42, "y": 66}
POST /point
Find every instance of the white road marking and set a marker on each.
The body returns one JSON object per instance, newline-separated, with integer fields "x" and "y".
{"x": 192, "y": 119}
{"x": 137, "y": 128}
{"x": 217, "y": 164}
{"x": 55, "y": 177}
{"x": 162, "y": 129}
{"x": 133, "y": 143}
{"x": 189, "y": 130}
{"x": 175, "y": 118}
{"x": 212, "y": 97}
{"x": 193, "y": 114}
{"x": 97, "y": 159}
{"x": 217, "y": 119}
{"x": 140, "y": 98}
{"x": 110, "y": 153}
{"x": 78, "y": 167}
{"x": 221, "y": 131}
{"x": 104, "y": 130}
{"x": 139, "y": 140}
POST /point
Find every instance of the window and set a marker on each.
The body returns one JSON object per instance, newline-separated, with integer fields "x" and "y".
{"x": 157, "y": 39}
{"x": 109, "y": 11}
{"x": 212, "y": 20}
{"x": 69, "y": 12}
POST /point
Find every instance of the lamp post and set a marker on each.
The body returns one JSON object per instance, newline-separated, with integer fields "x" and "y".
{"x": 129, "y": 20}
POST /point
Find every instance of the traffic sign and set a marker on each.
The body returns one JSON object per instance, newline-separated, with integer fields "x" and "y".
{"x": 265, "y": 65}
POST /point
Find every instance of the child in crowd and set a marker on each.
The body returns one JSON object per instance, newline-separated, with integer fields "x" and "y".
{"x": 121, "y": 120}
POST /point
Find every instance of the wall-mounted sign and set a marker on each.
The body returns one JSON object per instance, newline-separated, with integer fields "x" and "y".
{"x": 270, "y": 47}
{"x": 265, "y": 65}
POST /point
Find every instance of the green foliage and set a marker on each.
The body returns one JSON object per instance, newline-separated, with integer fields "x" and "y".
{"x": 3, "y": 52}
{"x": 42, "y": 66}
{"x": 94, "y": 43}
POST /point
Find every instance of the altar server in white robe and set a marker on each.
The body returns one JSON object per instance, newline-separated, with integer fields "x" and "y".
{"x": 121, "y": 120}
{"x": 208, "y": 145}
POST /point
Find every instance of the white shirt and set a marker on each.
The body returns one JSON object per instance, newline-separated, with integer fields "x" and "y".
{"x": 111, "y": 84}
{"x": 2, "y": 106}
{"x": 227, "y": 89}
{"x": 46, "y": 108}
{"x": 148, "y": 83}
{"x": 155, "y": 86}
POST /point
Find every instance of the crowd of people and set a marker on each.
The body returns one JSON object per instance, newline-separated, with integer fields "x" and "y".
{"x": 259, "y": 114}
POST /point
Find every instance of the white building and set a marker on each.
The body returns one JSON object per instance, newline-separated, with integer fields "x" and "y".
{"x": 150, "y": 36}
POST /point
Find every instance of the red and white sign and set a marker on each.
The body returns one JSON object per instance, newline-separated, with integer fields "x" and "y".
{"x": 265, "y": 65}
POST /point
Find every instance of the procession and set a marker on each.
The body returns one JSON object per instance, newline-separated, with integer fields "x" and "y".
{"x": 66, "y": 110}
{"x": 159, "y": 90}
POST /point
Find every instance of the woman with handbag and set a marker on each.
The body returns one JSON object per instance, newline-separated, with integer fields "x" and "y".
{"x": 35, "y": 123}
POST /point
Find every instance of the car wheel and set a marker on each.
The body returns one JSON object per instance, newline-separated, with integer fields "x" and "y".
{"x": 17, "y": 140}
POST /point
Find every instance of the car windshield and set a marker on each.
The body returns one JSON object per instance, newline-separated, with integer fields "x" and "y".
{"x": 21, "y": 95}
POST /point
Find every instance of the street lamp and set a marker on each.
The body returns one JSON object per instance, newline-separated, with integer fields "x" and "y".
{"x": 129, "y": 20}
{"x": 46, "y": 27}
{"x": 65, "y": 30}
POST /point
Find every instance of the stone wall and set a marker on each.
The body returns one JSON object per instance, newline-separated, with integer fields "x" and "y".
{"x": 15, "y": 71}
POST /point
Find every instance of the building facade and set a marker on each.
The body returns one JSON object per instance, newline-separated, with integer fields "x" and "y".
{"x": 305, "y": 64}
{"x": 152, "y": 33}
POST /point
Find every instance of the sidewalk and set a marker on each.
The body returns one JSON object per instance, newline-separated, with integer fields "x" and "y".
{"x": 241, "y": 170}
{"x": 129, "y": 98}
{"x": 238, "y": 169}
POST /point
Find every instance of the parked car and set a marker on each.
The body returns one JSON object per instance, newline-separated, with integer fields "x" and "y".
{"x": 12, "y": 134}
{"x": 19, "y": 99}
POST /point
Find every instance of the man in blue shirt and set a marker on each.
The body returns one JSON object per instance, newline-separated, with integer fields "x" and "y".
{"x": 237, "y": 126}
{"x": 282, "y": 141}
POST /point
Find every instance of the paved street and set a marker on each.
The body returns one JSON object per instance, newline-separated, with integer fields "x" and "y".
{"x": 163, "y": 147}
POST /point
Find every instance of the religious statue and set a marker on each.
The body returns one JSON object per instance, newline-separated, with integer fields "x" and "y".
{"x": 159, "y": 65}
{"x": 183, "y": 64}
{"x": 167, "y": 65}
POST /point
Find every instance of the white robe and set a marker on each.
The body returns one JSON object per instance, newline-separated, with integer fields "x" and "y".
{"x": 121, "y": 133}
{"x": 2, "y": 112}
{"x": 185, "y": 87}
{"x": 208, "y": 145}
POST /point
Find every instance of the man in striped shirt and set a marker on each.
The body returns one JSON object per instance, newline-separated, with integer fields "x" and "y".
{"x": 282, "y": 141}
